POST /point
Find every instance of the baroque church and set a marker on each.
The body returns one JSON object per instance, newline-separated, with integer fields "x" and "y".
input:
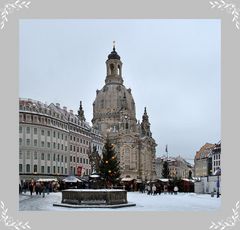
{"x": 114, "y": 115}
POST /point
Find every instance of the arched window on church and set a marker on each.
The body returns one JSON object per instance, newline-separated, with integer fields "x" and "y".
{"x": 118, "y": 70}
{"x": 112, "y": 68}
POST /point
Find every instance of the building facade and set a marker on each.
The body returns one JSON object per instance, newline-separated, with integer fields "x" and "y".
{"x": 54, "y": 141}
{"x": 216, "y": 157}
{"x": 114, "y": 115}
{"x": 178, "y": 167}
{"x": 203, "y": 161}
{"x": 208, "y": 168}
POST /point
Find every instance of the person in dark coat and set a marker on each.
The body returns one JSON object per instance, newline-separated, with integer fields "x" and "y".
{"x": 40, "y": 189}
{"x": 47, "y": 187}
{"x": 43, "y": 189}
{"x": 31, "y": 188}
{"x": 20, "y": 189}
{"x": 37, "y": 187}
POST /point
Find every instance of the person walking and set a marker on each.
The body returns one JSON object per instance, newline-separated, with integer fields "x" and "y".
{"x": 149, "y": 189}
{"x": 25, "y": 187}
{"x": 154, "y": 189}
{"x": 145, "y": 188}
{"x": 175, "y": 190}
{"x": 47, "y": 187}
{"x": 37, "y": 188}
{"x": 31, "y": 188}
{"x": 158, "y": 189}
{"x": 43, "y": 189}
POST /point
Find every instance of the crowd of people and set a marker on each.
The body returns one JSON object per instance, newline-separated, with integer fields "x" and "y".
{"x": 154, "y": 189}
{"x": 42, "y": 188}
{"x": 39, "y": 188}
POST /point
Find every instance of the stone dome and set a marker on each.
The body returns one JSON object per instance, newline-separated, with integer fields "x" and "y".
{"x": 113, "y": 97}
{"x": 114, "y": 106}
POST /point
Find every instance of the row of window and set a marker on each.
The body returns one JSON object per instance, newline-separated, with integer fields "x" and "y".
{"x": 75, "y": 129}
{"x": 78, "y": 160}
{"x": 48, "y": 132}
{"x": 55, "y": 157}
{"x": 62, "y": 136}
{"x": 47, "y": 169}
{"x": 77, "y": 149}
{"x": 48, "y": 145}
{"x": 42, "y": 169}
{"x": 54, "y": 145}
{"x": 43, "y": 156}
{"x": 42, "y": 120}
{"x": 48, "y": 121}
{"x": 216, "y": 157}
{"x": 79, "y": 140}
{"x": 216, "y": 163}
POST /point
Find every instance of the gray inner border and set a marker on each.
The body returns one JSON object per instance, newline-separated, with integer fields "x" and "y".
{"x": 118, "y": 9}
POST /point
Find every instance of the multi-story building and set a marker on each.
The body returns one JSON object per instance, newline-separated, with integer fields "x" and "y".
{"x": 53, "y": 141}
{"x": 114, "y": 115}
{"x": 216, "y": 157}
{"x": 208, "y": 168}
{"x": 178, "y": 167}
{"x": 203, "y": 161}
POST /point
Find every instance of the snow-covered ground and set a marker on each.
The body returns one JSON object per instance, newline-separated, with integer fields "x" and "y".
{"x": 144, "y": 202}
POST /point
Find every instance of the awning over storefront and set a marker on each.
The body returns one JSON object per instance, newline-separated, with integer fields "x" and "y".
{"x": 94, "y": 176}
{"x": 46, "y": 179}
{"x": 71, "y": 179}
{"x": 125, "y": 179}
{"x": 164, "y": 180}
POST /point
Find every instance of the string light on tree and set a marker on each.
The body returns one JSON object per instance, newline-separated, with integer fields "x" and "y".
{"x": 109, "y": 165}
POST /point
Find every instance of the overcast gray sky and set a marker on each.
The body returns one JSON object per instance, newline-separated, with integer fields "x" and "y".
{"x": 172, "y": 67}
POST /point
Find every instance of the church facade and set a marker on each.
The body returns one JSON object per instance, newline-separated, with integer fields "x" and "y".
{"x": 114, "y": 115}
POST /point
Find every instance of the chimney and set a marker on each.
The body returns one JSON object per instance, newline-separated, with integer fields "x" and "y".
{"x": 58, "y": 105}
{"x": 64, "y": 108}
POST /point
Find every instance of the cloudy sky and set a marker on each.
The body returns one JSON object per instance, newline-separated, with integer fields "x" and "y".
{"x": 172, "y": 67}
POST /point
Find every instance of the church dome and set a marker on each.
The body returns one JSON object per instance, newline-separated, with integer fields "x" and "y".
{"x": 114, "y": 97}
{"x": 112, "y": 101}
{"x": 114, "y": 106}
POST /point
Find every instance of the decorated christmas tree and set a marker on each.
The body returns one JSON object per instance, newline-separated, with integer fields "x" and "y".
{"x": 165, "y": 170}
{"x": 109, "y": 165}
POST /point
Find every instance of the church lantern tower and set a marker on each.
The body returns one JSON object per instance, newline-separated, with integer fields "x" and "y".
{"x": 114, "y": 106}
{"x": 114, "y": 68}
